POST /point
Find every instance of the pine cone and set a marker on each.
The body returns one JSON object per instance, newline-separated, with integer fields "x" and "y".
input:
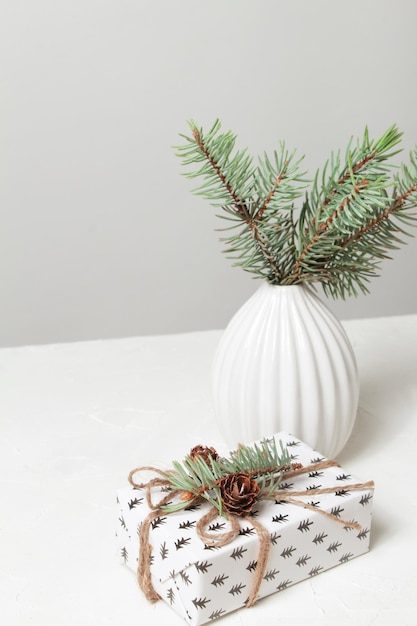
{"x": 204, "y": 452}
{"x": 239, "y": 492}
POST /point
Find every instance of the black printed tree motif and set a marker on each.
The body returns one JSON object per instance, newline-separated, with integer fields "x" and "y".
{"x": 280, "y": 518}
{"x": 252, "y": 566}
{"x": 249, "y": 530}
{"x": 270, "y": 574}
{"x": 365, "y": 499}
{"x": 200, "y": 603}
{"x": 274, "y": 538}
{"x": 218, "y": 581}
{"x": 187, "y": 524}
{"x": 319, "y": 538}
{"x": 286, "y": 486}
{"x": 287, "y": 553}
{"x": 304, "y": 526}
{"x": 135, "y": 502}
{"x": 217, "y": 614}
{"x": 237, "y": 589}
{"x": 333, "y": 547}
{"x": 343, "y": 477}
{"x": 171, "y": 595}
{"x": 124, "y": 554}
{"x": 303, "y": 560}
{"x": 315, "y": 474}
{"x": 363, "y": 533}
{"x": 217, "y": 526}
{"x": 238, "y": 553}
{"x": 284, "y": 584}
{"x": 163, "y": 551}
{"x": 158, "y": 521}
{"x": 316, "y": 570}
{"x": 336, "y": 511}
{"x": 203, "y": 566}
{"x": 185, "y": 577}
{"x": 345, "y": 557}
{"x": 180, "y": 543}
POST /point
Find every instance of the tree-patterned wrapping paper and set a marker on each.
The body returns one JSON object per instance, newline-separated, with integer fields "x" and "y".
{"x": 202, "y": 583}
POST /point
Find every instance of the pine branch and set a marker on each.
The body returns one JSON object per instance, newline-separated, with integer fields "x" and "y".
{"x": 325, "y": 226}
{"x": 280, "y": 183}
{"x": 362, "y": 250}
{"x": 348, "y": 233}
{"x": 354, "y": 215}
{"x": 245, "y": 193}
{"x": 198, "y": 478}
{"x": 276, "y": 186}
{"x": 358, "y": 159}
{"x": 227, "y": 178}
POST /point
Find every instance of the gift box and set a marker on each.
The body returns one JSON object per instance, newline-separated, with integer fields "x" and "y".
{"x": 320, "y": 518}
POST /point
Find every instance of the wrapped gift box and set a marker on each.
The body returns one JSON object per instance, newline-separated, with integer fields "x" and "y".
{"x": 203, "y": 583}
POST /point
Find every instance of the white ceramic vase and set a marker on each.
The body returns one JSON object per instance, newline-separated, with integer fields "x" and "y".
{"x": 285, "y": 363}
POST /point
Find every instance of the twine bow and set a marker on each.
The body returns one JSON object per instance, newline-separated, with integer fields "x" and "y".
{"x": 223, "y": 539}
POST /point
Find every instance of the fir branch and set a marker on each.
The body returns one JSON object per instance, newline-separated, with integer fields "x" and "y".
{"x": 364, "y": 154}
{"x": 361, "y": 251}
{"x": 280, "y": 183}
{"x": 355, "y": 205}
{"x": 226, "y": 177}
{"x": 346, "y": 225}
{"x": 244, "y": 193}
{"x": 323, "y": 229}
{"x": 198, "y": 478}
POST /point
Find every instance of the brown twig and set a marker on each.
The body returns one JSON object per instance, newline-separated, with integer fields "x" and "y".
{"x": 273, "y": 191}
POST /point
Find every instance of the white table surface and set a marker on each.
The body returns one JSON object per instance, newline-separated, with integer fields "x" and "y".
{"x": 75, "y": 418}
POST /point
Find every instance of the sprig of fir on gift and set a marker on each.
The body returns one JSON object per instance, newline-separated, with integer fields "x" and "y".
{"x": 358, "y": 208}
{"x": 232, "y": 485}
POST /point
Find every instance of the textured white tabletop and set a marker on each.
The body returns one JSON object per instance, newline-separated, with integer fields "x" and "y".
{"x": 75, "y": 418}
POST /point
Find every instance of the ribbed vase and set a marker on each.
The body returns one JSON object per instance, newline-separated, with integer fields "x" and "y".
{"x": 285, "y": 363}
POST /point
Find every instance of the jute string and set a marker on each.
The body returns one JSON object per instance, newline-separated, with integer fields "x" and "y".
{"x": 223, "y": 539}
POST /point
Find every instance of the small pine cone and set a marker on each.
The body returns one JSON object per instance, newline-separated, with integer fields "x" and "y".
{"x": 239, "y": 492}
{"x": 205, "y": 453}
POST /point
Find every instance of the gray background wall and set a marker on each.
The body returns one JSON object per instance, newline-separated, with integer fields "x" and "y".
{"x": 99, "y": 234}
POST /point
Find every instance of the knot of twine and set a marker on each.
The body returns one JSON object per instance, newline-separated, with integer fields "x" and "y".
{"x": 223, "y": 539}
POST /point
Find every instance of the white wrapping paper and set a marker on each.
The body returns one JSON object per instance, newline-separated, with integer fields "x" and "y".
{"x": 202, "y": 583}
